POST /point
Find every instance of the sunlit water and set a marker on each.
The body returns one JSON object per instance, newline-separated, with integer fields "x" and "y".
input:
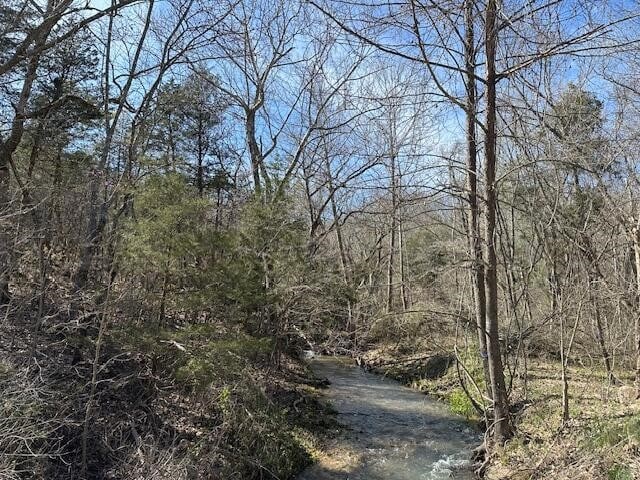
{"x": 398, "y": 433}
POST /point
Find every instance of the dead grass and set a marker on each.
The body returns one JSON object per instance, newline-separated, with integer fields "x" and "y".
{"x": 600, "y": 441}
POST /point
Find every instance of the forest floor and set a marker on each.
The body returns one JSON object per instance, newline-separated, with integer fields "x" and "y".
{"x": 179, "y": 403}
{"x": 600, "y": 441}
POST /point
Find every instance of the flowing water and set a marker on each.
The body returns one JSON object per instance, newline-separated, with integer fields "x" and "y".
{"x": 393, "y": 432}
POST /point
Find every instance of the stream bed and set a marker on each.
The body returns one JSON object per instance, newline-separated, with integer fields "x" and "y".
{"x": 393, "y": 432}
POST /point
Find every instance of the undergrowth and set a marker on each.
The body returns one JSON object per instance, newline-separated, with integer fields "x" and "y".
{"x": 249, "y": 434}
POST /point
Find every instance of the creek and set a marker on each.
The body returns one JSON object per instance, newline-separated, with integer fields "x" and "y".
{"x": 392, "y": 432}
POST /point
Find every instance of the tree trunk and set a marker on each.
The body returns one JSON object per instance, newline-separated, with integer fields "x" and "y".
{"x": 475, "y": 245}
{"x": 502, "y": 422}
{"x": 346, "y": 277}
{"x": 95, "y": 222}
{"x": 171, "y": 145}
{"x": 200, "y": 167}
{"x": 163, "y": 302}
{"x": 600, "y": 330}
{"x": 406, "y": 301}
{"x": 636, "y": 251}
{"x": 565, "y": 380}
{"x": 392, "y": 239}
{"x": 555, "y": 290}
{"x": 344, "y": 264}
{"x": 254, "y": 150}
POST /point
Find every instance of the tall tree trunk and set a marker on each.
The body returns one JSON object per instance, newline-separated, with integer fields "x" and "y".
{"x": 254, "y": 150}
{"x": 163, "y": 301}
{"x": 555, "y": 302}
{"x": 95, "y": 222}
{"x": 344, "y": 263}
{"x": 554, "y": 286}
{"x": 502, "y": 422}
{"x": 171, "y": 145}
{"x": 392, "y": 239}
{"x": 200, "y": 166}
{"x": 475, "y": 244}
{"x": 600, "y": 329}
{"x": 404, "y": 293}
{"x": 344, "y": 266}
{"x": 565, "y": 380}
{"x": 636, "y": 323}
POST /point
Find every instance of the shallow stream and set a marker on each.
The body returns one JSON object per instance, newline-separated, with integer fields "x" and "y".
{"x": 393, "y": 432}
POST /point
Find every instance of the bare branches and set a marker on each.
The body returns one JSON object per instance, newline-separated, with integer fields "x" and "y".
{"x": 29, "y": 46}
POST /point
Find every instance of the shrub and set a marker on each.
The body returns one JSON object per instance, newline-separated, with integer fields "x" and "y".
{"x": 27, "y": 429}
{"x": 460, "y": 404}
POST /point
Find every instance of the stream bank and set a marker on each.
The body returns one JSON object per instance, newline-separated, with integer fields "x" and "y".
{"x": 601, "y": 441}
